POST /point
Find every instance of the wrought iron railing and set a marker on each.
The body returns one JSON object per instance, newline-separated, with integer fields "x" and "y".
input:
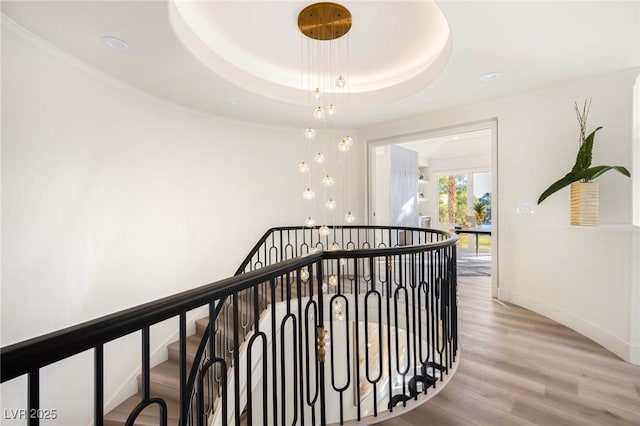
{"x": 383, "y": 299}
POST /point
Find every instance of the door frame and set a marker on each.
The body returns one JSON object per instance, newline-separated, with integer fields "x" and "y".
{"x": 492, "y": 124}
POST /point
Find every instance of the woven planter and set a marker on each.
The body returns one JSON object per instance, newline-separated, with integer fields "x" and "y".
{"x": 585, "y": 203}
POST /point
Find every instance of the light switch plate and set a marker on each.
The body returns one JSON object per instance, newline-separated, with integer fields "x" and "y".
{"x": 524, "y": 208}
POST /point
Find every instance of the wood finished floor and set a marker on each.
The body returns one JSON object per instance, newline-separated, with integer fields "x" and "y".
{"x": 520, "y": 368}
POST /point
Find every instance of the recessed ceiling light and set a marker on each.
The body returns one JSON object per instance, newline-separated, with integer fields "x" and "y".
{"x": 490, "y": 76}
{"x": 116, "y": 43}
{"x": 235, "y": 102}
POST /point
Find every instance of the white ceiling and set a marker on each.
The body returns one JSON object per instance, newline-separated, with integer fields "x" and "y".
{"x": 533, "y": 44}
{"x": 388, "y": 62}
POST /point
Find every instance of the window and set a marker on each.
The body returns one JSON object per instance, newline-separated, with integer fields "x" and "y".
{"x": 452, "y": 198}
{"x": 464, "y": 195}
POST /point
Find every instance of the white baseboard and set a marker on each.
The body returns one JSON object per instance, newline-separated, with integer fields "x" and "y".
{"x": 625, "y": 350}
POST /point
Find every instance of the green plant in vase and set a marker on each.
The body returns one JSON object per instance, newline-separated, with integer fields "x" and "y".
{"x": 582, "y": 170}
{"x": 584, "y": 192}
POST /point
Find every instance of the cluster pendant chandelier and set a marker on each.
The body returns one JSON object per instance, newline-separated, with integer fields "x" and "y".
{"x": 328, "y": 168}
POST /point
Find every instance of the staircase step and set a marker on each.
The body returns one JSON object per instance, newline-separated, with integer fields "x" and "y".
{"x": 149, "y": 416}
{"x": 201, "y": 326}
{"x": 165, "y": 377}
{"x": 165, "y": 381}
{"x": 192, "y": 347}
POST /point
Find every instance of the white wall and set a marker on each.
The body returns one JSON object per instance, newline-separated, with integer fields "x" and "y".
{"x": 537, "y": 144}
{"x": 111, "y": 198}
{"x": 588, "y": 286}
{"x": 635, "y": 152}
{"x": 461, "y": 164}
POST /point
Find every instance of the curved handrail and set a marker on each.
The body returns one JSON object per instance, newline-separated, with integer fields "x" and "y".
{"x": 451, "y": 238}
{"x": 387, "y": 251}
{"x": 28, "y": 356}
{"x": 23, "y": 357}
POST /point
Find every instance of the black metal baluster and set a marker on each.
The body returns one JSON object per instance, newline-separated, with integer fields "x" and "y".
{"x": 300, "y": 351}
{"x": 98, "y": 406}
{"x": 311, "y": 401}
{"x": 257, "y": 335}
{"x": 450, "y": 285}
{"x": 454, "y": 303}
{"x": 439, "y": 307}
{"x": 207, "y": 368}
{"x": 236, "y": 358}
{"x": 323, "y": 416}
{"x": 311, "y": 233}
{"x": 249, "y": 408}
{"x": 388, "y": 296}
{"x": 33, "y": 400}
{"x": 412, "y": 284}
{"x": 283, "y": 376}
{"x": 340, "y": 389}
{"x": 184, "y": 397}
{"x": 402, "y": 371}
{"x": 212, "y": 354}
{"x": 283, "y": 386}
{"x": 145, "y": 364}
{"x": 433, "y": 313}
{"x": 357, "y": 341}
{"x": 273, "y": 352}
{"x": 422, "y": 309}
{"x": 373, "y": 380}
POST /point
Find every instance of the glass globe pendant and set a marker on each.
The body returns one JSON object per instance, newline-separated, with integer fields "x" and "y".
{"x": 304, "y": 274}
{"x": 335, "y": 246}
{"x": 338, "y": 311}
{"x": 318, "y": 113}
{"x": 309, "y": 222}
{"x": 309, "y": 133}
{"x": 324, "y": 230}
{"x": 317, "y": 93}
{"x": 303, "y": 167}
{"x": 349, "y": 218}
{"x": 333, "y": 280}
{"x": 308, "y": 194}
{"x": 348, "y": 140}
{"x": 327, "y": 180}
{"x": 331, "y": 110}
{"x": 343, "y": 146}
{"x": 319, "y": 158}
{"x": 330, "y": 204}
{"x": 340, "y": 81}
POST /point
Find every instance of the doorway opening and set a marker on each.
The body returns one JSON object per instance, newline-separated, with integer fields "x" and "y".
{"x": 442, "y": 179}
